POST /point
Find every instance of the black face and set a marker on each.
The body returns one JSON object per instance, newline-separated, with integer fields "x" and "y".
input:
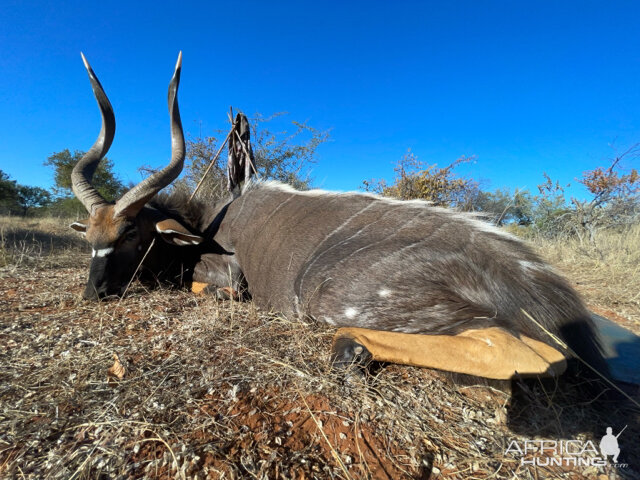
{"x": 120, "y": 245}
{"x": 113, "y": 265}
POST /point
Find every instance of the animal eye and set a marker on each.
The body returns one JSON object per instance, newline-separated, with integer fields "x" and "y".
{"x": 131, "y": 235}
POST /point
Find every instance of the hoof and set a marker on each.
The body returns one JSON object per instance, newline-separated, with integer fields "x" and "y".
{"x": 347, "y": 353}
{"x": 224, "y": 293}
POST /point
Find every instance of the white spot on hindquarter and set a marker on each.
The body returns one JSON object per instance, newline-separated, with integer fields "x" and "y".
{"x": 350, "y": 312}
{"x": 102, "y": 252}
{"x": 384, "y": 293}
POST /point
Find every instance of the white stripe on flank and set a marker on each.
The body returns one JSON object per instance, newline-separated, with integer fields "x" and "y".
{"x": 315, "y": 251}
{"x": 541, "y": 267}
{"x": 103, "y": 252}
{"x": 473, "y": 221}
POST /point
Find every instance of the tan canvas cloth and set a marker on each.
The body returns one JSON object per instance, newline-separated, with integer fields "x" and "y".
{"x": 198, "y": 287}
{"x": 489, "y": 353}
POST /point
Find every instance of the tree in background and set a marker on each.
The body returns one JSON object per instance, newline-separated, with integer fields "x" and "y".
{"x": 16, "y": 199}
{"x": 615, "y": 197}
{"x": 104, "y": 180}
{"x": 32, "y": 197}
{"x": 8, "y": 194}
{"x": 614, "y": 202}
{"x": 284, "y": 156}
{"x": 414, "y": 180}
{"x": 552, "y": 215}
{"x": 503, "y": 207}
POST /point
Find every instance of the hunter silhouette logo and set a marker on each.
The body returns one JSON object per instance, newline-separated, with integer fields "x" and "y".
{"x": 609, "y": 444}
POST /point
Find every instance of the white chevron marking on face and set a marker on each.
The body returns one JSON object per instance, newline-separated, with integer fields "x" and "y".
{"x": 103, "y": 252}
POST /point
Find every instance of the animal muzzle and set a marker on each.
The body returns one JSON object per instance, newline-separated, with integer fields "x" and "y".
{"x": 93, "y": 292}
{"x": 103, "y": 281}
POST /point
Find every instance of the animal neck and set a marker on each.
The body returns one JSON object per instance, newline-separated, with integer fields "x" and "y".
{"x": 244, "y": 220}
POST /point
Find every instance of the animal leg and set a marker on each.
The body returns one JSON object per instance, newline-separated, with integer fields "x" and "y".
{"x": 489, "y": 353}
{"x": 227, "y": 293}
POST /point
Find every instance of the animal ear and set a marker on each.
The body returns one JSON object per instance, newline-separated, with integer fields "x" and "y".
{"x": 80, "y": 226}
{"x": 174, "y": 232}
{"x": 241, "y": 164}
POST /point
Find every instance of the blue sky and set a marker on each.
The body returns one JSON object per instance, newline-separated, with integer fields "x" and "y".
{"x": 526, "y": 87}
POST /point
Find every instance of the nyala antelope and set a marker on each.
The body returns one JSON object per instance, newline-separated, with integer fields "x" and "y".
{"x": 404, "y": 281}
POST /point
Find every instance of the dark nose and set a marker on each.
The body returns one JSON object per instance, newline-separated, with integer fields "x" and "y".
{"x": 91, "y": 292}
{"x": 99, "y": 292}
{"x": 101, "y": 279}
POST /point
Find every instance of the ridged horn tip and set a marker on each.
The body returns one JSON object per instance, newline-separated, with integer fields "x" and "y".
{"x": 86, "y": 63}
{"x": 179, "y": 62}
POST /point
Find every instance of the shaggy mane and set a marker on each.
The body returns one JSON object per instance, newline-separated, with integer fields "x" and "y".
{"x": 176, "y": 205}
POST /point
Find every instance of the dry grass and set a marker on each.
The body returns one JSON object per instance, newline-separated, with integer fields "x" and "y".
{"x": 41, "y": 242}
{"x": 223, "y": 390}
{"x": 606, "y": 273}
